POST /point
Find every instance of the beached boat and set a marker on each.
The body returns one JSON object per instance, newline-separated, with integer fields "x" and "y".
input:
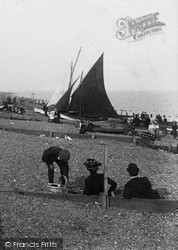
{"x": 89, "y": 101}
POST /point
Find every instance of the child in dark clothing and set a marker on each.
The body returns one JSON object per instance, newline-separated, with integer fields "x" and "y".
{"x": 94, "y": 184}
{"x": 58, "y": 155}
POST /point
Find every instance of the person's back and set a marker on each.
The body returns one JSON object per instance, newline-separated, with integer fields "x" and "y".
{"x": 94, "y": 183}
{"x": 138, "y": 187}
{"x": 51, "y": 154}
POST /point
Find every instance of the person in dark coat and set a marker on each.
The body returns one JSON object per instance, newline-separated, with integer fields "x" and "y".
{"x": 58, "y": 155}
{"x": 147, "y": 121}
{"x": 138, "y": 187}
{"x": 174, "y": 129}
{"x": 136, "y": 120}
{"x": 84, "y": 129}
{"x": 94, "y": 183}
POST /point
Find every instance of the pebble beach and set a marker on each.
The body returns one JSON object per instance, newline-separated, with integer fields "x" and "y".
{"x": 82, "y": 226}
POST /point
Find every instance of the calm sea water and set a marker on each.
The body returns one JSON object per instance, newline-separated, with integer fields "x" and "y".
{"x": 152, "y": 102}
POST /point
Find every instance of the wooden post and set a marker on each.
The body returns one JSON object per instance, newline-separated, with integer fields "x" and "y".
{"x": 105, "y": 169}
{"x": 169, "y": 148}
{"x": 93, "y": 136}
{"x": 50, "y": 134}
{"x": 104, "y": 200}
{"x": 104, "y": 196}
{"x": 34, "y": 106}
{"x": 134, "y": 140}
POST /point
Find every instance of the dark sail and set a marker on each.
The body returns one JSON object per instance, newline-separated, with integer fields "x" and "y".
{"x": 63, "y": 103}
{"x": 90, "y": 99}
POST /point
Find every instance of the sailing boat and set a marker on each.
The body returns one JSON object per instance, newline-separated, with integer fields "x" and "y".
{"x": 89, "y": 100}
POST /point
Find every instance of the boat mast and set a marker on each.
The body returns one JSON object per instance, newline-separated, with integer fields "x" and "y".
{"x": 81, "y": 78}
{"x": 70, "y": 95}
{"x": 73, "y": 68}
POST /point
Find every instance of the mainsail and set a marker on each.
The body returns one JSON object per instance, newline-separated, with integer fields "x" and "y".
{"x": 90, "y": 100}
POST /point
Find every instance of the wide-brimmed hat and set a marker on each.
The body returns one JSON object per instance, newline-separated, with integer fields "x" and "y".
{"x": 133, "y": 169}
{"x": 64, "y": 154}
{"x": 92, "y": 164}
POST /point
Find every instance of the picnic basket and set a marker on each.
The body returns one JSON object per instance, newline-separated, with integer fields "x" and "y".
{"x": 58, "y": 187}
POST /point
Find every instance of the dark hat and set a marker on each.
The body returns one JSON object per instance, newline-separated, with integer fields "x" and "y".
{"x": 64, "y": 154}
{"x": 133, "y": 169}
{"x": 92, "y": 164}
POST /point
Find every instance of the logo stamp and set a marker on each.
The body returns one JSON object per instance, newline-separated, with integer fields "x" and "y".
{"x": 138, "y": 28}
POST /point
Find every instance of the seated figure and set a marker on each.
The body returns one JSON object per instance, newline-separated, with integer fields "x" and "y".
{"x": 138, "y": 187}
{"x": 86, "y": 128}
{"x": 94, "y": 183}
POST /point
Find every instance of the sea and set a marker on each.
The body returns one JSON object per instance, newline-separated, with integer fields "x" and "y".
{"x": 164, "y": 103}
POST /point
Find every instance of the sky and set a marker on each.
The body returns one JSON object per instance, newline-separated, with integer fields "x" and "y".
{"x": 40, "y": 38}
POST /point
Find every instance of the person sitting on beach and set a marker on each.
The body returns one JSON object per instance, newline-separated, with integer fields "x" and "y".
{"x": 86, "y": 128}
{"x": 138, "y": 187}
{"x": 94, "y": 183}
{"x": 58, "y": 155}
{"x": 129, "y": 128}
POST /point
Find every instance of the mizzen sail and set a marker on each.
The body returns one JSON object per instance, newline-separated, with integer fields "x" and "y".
{"x": 63, "y": 103}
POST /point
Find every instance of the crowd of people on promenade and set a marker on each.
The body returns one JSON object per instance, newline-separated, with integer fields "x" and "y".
{"x": 136, "y": 187}
{"x": 11, "y": 104}
{"x": 147, "y": 121}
